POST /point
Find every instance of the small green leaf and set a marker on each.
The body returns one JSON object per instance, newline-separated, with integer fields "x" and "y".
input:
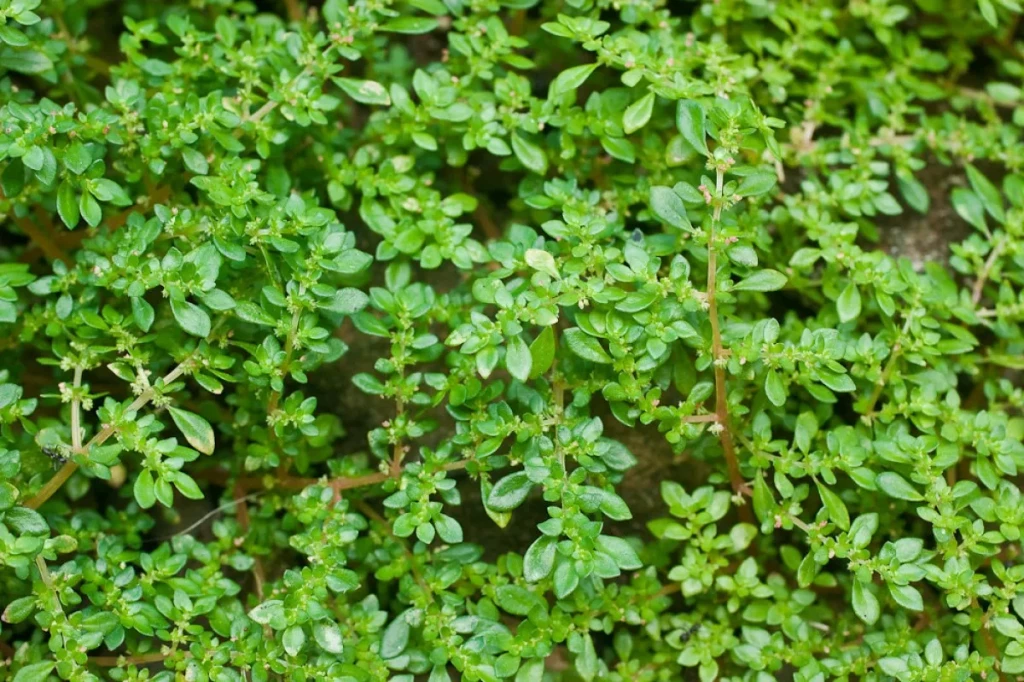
{"x": 835, "y": 506}
{"x": 862, "y": 529}
{"x": 395, "y": 639}
{"x": 848, "y": 303}
{"x": 366, "y": 92}
{"x": 410, "y": 25}
{"x": 620, "y": 551}
{"x": 293, "y": 639}
{"x": 197, "y": 431}
{"x": 191, "y": 318}
{"x": 668, "y": 206}
{"x": 894, "y": 485}
{"x": 542, "y": 352}
{"x": 774, "y": 388}
{"x": 990, "y": 196}
{"x": 542, "y": 261}
{"x": 195, "y": 161}
{"x": 328, "y": 636}
{"x": 539, "y": 559}
{"x": 347, "y": 301}
{"x": 145, "y": 489}
{"x": 27, "y": 62}
{"x": 270, "y": 612}
{"x": 77, "y": 158}
{"x": 914, "y": 193}
{"x": 566, "y": 579}
{"x": 570, "y": 79}
{"x": 517, "y": 600}
{"x": 12, "y": 36}
{"x": 586, "y": 347}
{"x": 67, "y": 204}
{"x": 756, "y": 184}
{"x": 25, "y": 521}
{"x": 509, "y": 492}
{"x": 530, "y": 155}
{"x": 518, "y": 359}
{"x": 907, "y": 596}
{"x": 691, "y": 123}
{"x": 90, "y": 209}
{"x": 638, "y": 113}
{"x": 763, "y": 280}
{"x": 35, "y": 672}
{"x": 865, "y": 604}
{"x": 969, "y": 207}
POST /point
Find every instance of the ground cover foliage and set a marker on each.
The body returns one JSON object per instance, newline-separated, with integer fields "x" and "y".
{"x": 523, "y": 340}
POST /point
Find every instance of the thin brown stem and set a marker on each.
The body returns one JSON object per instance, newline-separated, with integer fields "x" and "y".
{"x": 44, "y": 572}
{"x": 337, "y": 484}
{"x": 883, "y": 379}
{"x": 739, "y": 485}
{"x": 289, "y": 347}
{"x": 294, "y": 10}
{"x": 887, "y": 371}
{"x": 979, "y": 285}
{"x": 270, "y": 105}
{"x": 76, "y": 414}
{"x": 41, "y": 236}
{"x": 239, "y": 496}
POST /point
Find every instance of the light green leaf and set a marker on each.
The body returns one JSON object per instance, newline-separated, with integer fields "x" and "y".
{"x": 620, "y": 551}
{"x": 570, "y": 79}
{"x": 347, "y": 301}
{"x": 328, "y": 636}
{"x": 366, "y": 92}
{"x": 530, "y": 155}
{"x": 409, "y": 25}
{"x": 35, "y": 672}
{"x": 894, "y": 485}
{"x": 848, "y": 303}
{"x": 756, "y": 184}
{"x": 638, "y": 113}
{"x": 195, "y": 161}
{"x": 865, "y": 604}
{"x": 518, "y": 359}
{"x": 991, "y": 198}
{"x": 293, "y": 639}
{"x": 197, "y": 431}
{"x": 668, "y": 206}
{"x": 774, "y": 388}
{"x": 539, "y": 559}
{"x": 907, "y": 596}
{"x": 509, "y": 492}
{"x": 835, "y": 506}
{"x": 542, "y": 261}
{"x": 586, "y": 347}
{"x": 763, "y": 280}
{"x": 691, "y": 123}
{"x": 67, "y": 204}
{"x": 542, "y": 352}
{"x": 191, "y": 318}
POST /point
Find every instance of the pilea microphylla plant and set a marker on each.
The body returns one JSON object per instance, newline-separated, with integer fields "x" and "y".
{"x": 437, "y": 340}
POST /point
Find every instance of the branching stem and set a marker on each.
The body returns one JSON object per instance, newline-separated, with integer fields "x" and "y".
{"x": 70, "y": 467}
{"x": 739, "y": 486}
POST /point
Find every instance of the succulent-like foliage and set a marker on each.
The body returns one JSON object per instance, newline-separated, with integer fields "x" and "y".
{"x": 346, "y": 340}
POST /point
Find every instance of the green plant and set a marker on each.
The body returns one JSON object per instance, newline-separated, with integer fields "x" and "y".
{"x": 291, "y": 293}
